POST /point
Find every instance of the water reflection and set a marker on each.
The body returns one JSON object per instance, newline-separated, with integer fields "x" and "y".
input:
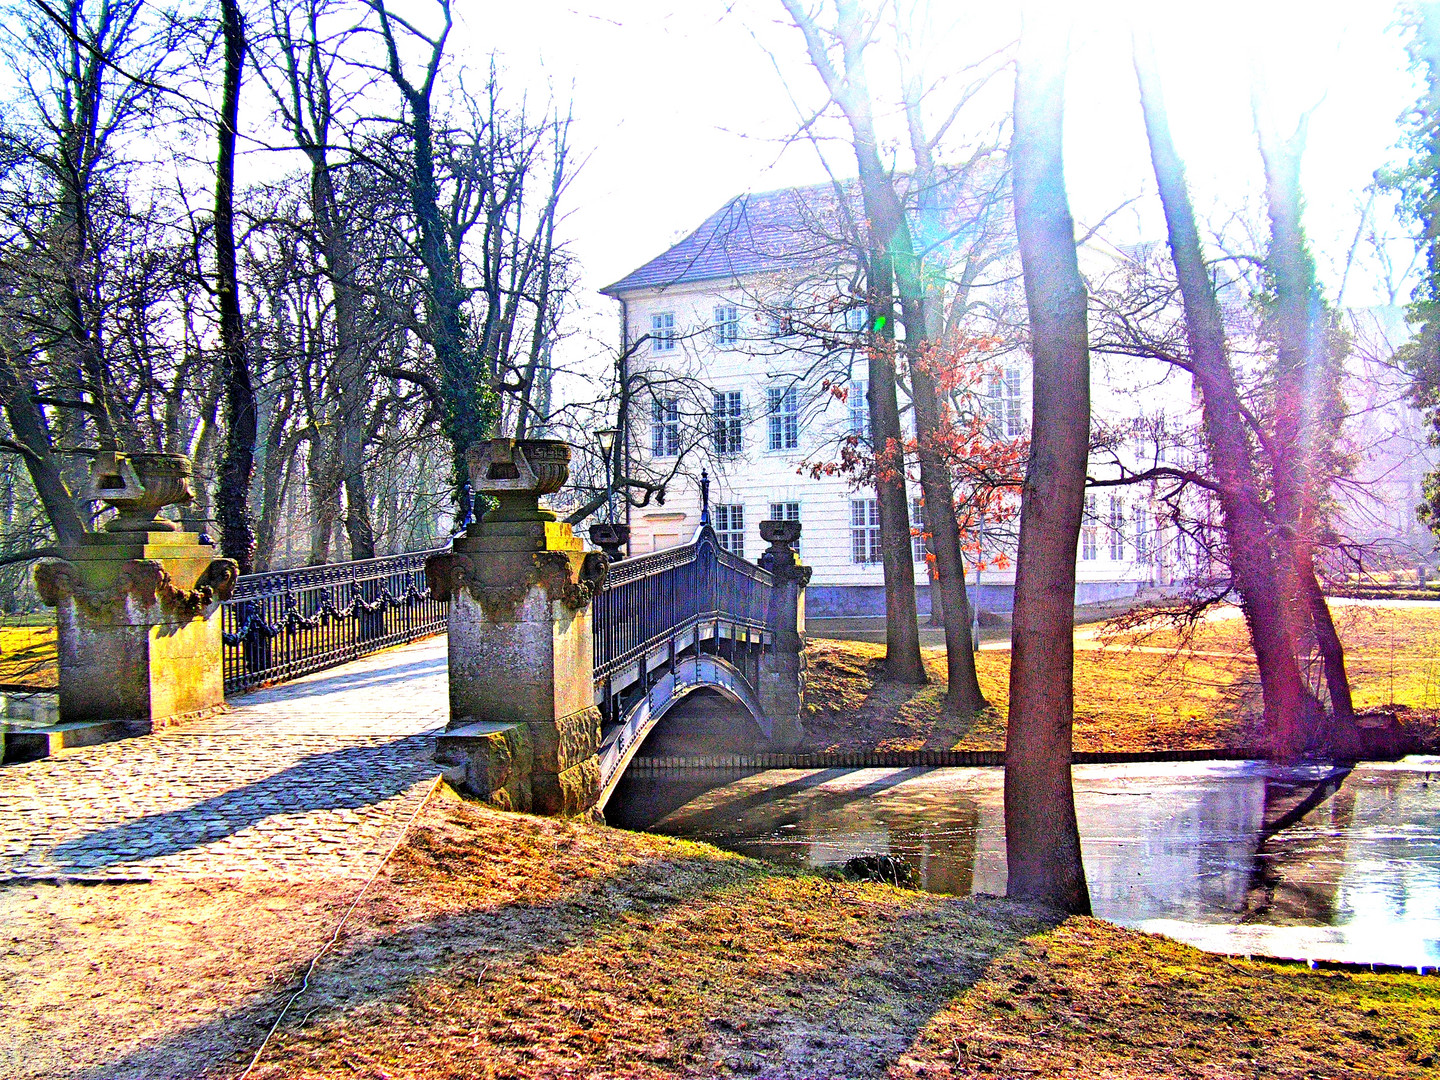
{"x": 1314, "y": 863}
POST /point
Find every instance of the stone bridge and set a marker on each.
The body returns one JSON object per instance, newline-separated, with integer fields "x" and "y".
{"x": 560, "y": 661}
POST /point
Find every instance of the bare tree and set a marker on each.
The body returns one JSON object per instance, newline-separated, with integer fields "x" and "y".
{"x": 468, "y": 397}
{"x": 1306, "y": 411}
{"x": 1258, "y": 580}
{"x": 1042, "y": 840}
{"x": 887, "y": 246}
{"x": 237, "y": 532}
{"x": 304, "y": 94}
{"x": 62, "y": 198}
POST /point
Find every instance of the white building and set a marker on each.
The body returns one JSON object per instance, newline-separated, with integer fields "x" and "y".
{"x": 751, "y": 372}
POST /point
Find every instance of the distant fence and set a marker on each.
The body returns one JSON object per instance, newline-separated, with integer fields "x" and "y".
{"x": 280, "y": 625}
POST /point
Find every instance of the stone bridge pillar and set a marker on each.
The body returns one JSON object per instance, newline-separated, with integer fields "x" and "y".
{"x": 782, "y": 669}
{"x": 138, "y": 603}
{"x": 523, "y": 720}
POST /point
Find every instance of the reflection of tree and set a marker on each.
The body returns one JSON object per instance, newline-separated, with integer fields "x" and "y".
{"x": 943, "y": 855}
{"x": 1295, "y": 873}
{"x": 809, "y": 820}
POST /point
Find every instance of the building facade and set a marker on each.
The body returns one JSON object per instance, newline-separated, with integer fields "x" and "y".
{"x": 746, "y": 360}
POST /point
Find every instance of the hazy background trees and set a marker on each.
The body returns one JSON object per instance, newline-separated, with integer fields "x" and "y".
{"x": 397, "y": 288}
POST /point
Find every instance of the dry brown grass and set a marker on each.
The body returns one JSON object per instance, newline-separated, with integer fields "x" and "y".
{"x": 508, "y": 946}
{"x": 1133, "y": 692}
{"x": 1089, "y": 999}
{"x": 505, "y": 946}
{"x": 1124, "y": 701}
{"x": 27, "y": 657}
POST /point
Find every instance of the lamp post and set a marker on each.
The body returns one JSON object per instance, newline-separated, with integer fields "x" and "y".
{"x": 606, "y": 438}
{"x": 611, "y": 538}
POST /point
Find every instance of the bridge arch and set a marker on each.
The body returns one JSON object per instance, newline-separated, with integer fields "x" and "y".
{"x": 699, "y": 671}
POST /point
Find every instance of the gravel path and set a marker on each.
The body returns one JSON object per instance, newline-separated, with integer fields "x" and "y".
{"x": 312, "y": 778}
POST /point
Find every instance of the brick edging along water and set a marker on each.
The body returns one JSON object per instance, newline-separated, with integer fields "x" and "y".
{"x": 918, "y": 759}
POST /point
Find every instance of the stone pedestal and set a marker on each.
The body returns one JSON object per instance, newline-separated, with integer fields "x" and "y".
{"x": 138, "y": 615}
{"x": 782, "y": 668}
{"x": 523, "y": 720}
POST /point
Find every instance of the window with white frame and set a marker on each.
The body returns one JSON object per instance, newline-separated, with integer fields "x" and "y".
{"x": 1117, "y": 528}
{"x": 1003, "y": 412}
{"x": 729, "y": 522}
{"x": 865, "y": 531}
{"x": 1089, "y": 532}
{"x": 784, "y": 418}
{"x": 727, "y": 325}
{"x": 665, "y": 427}
{"x": 919, "y": 543}
{"x": 786, "y": 511}
{"x": 1142, "y": 534}
{"x": 782, "y": 321}
{"x": 662, "y": 332}
{"x": 856, "y": 318}
{"x": 855, "y": 398}
{"x": 729, "y": 422}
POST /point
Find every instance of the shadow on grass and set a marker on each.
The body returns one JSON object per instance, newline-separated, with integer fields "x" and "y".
{"x": 862, "y": 711}
{"x": 669, "y": 961}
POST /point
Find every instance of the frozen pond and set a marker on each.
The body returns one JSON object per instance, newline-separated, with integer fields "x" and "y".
{"x": 1313, "y": 863}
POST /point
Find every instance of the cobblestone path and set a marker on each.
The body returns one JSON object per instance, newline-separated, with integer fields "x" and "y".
{"x": 314, "y": 778}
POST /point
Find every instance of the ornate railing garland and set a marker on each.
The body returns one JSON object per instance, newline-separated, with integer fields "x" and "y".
{"x": 283, "y": 624}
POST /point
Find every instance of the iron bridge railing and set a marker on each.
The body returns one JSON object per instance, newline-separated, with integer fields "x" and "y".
{"x": 292, "y": 622}
{"x": 648, "y": 600}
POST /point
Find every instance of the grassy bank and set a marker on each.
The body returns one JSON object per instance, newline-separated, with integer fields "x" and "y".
{"x": 27, "y": 657}
{"x": 507, "y": 946}
{"x": 1136, "y": 691}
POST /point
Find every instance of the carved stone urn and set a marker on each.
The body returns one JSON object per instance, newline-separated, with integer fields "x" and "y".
{"x": 515, "y": 473}
{"x": 139, "y": 486}
{"x": 610, "y": 539}
{"x": 780, "y": 534}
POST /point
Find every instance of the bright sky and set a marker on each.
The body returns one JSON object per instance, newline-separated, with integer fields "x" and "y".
{"x": 679, "y": 107}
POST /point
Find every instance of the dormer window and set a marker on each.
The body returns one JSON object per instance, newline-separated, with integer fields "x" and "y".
{"x": 662, "y": 332}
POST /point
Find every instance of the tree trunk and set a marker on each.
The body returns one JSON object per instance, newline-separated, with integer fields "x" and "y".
{"x": 324, "y": 499}
{"x": 920, "y": 308}
{"x": 469, "y": 402}
{"x": 351, "y": 369}
{"x": 902, "y": 620}
{"x": 885, "y": 223}
{"x": 27, "y": 421}
{"x": 1306, "y": 407}
{"x": 237, "y": 535}
{"x": 1252, "y": 564}
{"x": 962, "y": 692}
{"x": 1332, "y": 653}
{"x": 1042, "y": 840}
